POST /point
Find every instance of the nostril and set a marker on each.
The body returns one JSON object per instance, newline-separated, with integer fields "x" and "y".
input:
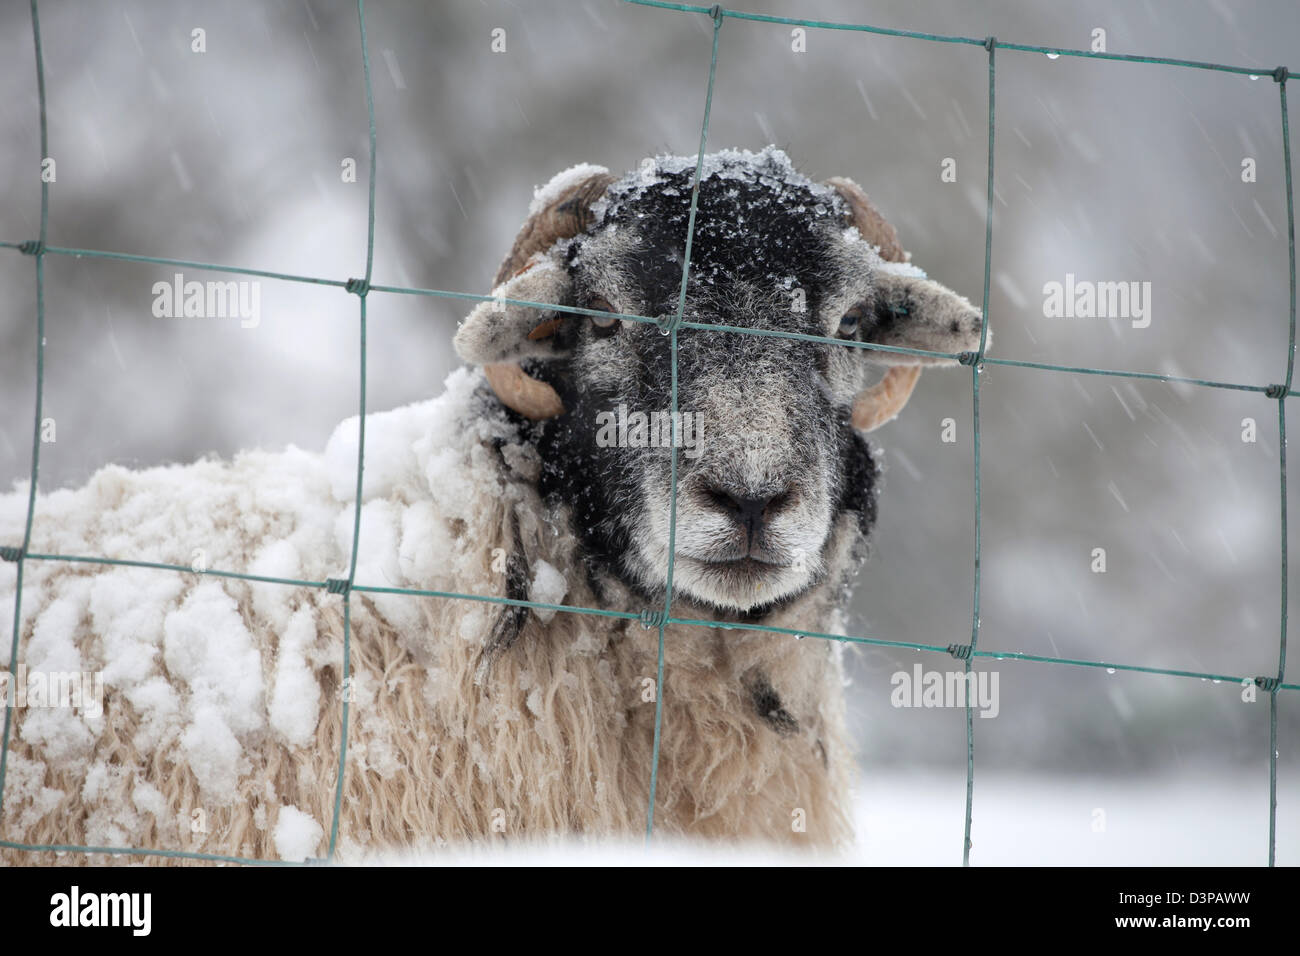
{"x": 750, "y": 512}
{"x": 777, "y": 502}
{"x": 721, "y": 499}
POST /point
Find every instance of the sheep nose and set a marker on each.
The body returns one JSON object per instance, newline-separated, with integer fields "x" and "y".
{"x": 750, "y": 513}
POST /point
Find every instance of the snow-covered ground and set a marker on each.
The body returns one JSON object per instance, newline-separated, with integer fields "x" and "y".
{"x": 1206, "y": 818}
{"x": 913, "y": 819}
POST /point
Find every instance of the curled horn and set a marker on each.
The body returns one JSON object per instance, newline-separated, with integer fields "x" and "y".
{"x": 563, "y": 217}
{"x": 883, "y": 401}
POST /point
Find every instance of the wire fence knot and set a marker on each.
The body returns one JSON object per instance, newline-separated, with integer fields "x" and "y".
{"x": 358, "y": 286}
{"x": 669, "y": 323}
{"x": 1275, "y": 391}
{"x": 960, "y": 651}
{"x": 651, "y": 619}
{"x": 715, "y": 13}
{"x": 1279, "y": 75}
{"x": 338, "y": 585}
{"x": 1268, "y": 684}
{"x": 32, "y": 247}
{"x": 968, "y": 358}
{"x": 9, "y": 553}
{"x": 990, "y": 43}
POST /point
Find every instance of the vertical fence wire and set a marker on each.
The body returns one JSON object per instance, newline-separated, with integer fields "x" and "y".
{"x": 39, "y": 254}
{"x": 361, "y": 289}
{"x": 977, "y": 367}
{"x": 1280, "y": 75}
{"x": 716, "y": 15}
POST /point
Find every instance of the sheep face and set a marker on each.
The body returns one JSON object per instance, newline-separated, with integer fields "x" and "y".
{"x": 771, "y": 473}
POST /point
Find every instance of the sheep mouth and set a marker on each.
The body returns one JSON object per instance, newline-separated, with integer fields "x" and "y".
{"x": 738, "y": 584}
{"x": 735, "y": 572}
{"x": 745, "y": 565}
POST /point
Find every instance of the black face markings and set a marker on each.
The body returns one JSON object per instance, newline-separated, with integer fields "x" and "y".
{"x": 510, "y": 621}
{"x": 767, "y": 704}
{"x": 765, "y": 255}
{"x": 576, "y": 472}
{"x": 858, "y": 474}
{"x": 763, "y": 231}
{"x": 888, "y": 311}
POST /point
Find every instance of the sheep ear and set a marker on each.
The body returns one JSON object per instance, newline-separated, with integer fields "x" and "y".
{"x": 497, "y": 331}
{"x": 907, "y": 310}
{"x": 910, "y": 311}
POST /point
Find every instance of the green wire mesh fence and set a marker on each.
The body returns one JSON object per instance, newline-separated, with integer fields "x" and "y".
{"x": 662, "y": 619}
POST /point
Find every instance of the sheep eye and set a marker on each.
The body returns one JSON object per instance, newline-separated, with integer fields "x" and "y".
{"x": 851, "y": 319}
{"x": 605, "y": 323}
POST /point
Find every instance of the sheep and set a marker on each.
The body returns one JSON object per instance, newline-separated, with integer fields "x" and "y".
{"x": 476, "y": 720}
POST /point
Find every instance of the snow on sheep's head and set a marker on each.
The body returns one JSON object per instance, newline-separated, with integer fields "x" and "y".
{"x": 774, "y": 475}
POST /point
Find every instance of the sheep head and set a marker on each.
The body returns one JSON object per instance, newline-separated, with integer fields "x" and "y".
{"x": 773, "y": 468}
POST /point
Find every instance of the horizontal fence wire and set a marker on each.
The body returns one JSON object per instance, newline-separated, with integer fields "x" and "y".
{"x": 661, "y": 620}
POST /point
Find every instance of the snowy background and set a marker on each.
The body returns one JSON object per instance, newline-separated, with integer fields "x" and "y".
{"x": 1109, "y": 171}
